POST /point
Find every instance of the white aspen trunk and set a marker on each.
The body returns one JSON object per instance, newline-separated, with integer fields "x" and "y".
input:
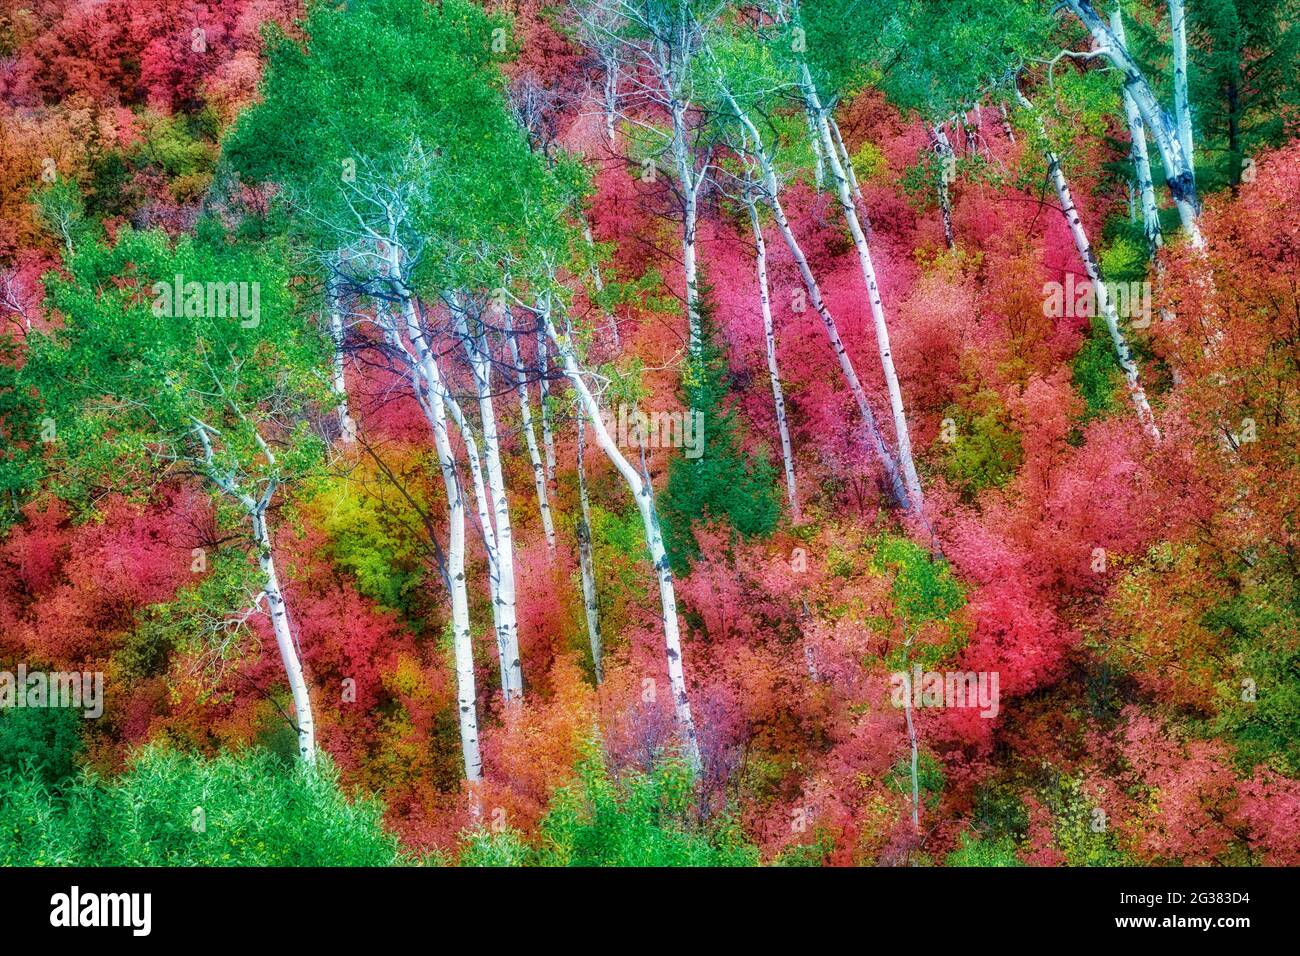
{"x": 611, "y": 102}
{"x": 544, "y": 389}
{"x": 599, "y": 282}
{"x": 771, "y": 189}
{"x": 1081, "y": 244}
{"x": 845, "y": 160}
{"x": 819, "y": 161}
{"x": 480, "y": 362}
{"x": 903, "y": 438}
{"x": 486, "y": 529}
{"x": 284, "y": 638}
{"x": 1007, "y": 129}
{"x": 338, "y": 335}
{"x": 769, "y": 335}
{"x": 643, "y": 494}
{"x": 874, "y": 437}
{"x": 1179, "y": 175}
{"x": 590, "y": 599}
{"x": 1182, "y": 103}
{"x": 690, "y": 268}
{"x": 433, "y": 401}
{"x": 943, "y": 149}
{"x": 1146, "y": 192}
{"x": 530, "y": 438}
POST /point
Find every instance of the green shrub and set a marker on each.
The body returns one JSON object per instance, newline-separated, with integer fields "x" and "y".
{"x": 976, "y": 852}
{"x": 173, "y": 809}
{"x": 642, "y": 819}
{"x": 40, "y": 742}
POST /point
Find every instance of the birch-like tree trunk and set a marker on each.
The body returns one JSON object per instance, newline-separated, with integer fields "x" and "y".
{"x": 1146, "y": 192}
{"x": 643, "y": 494}
{"x": 819, "y": 161}
{"x": 846, "y": 161}
{"x": 486, "y": 530}
{"x": 284, "y": 638}
{"x": 586, "y": 560}
{"x": 769, "y": 337}
{"x": 690, "y": 213}
{"x": 772, "y": 196}
{"x": 598, "y": 281}
{"x": 611, "y": 102}
{"x": 912, "y": 740}
{"x": 480, "y": 362}
{"x": 1179, "y": 175}
{"x": 1006, "y": 123}
{"x": 1100, "y": 292}
{"x": 544, "y": 393}
{"x": 943, "y": 150}
{"x": 338, "y": 335}
{"x": 530, "y": 437}
{"x": 1182, "y": 103}
{"x": 843, "y": 190}
{"x": 277, "y": 610}
{"x": 433, "y": 395}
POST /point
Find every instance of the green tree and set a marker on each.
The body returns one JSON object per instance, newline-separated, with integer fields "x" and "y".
{"x": 1245, "y": 55}
{"x": 183, "y": 359}
{"x": 723, "y": 482}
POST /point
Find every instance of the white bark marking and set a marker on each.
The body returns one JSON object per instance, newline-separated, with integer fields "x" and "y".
{"x": 769, "y": 336}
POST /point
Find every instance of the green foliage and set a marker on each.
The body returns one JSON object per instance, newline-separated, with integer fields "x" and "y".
{"x": 204, "y": 619}
{"x": 924, "y": 589}
{"x": 62, "y": 211}
{"x": 172, "y": 809}
{"x": 641, "y": 819}
{"x": 406, "y": 97}
{"x": 1124, "y": 256}
{"x": 1244, "y": 57}
{"x": 131, "y": 387}
{"x": 620, "y": 552}
{"x": 1097, "y": 374}
{"x": 40, "y": 742}
{"x": 184, "y": 148}
{"x": 724, "y": 482}
{"x": 1000, "y": 814}
{"x": 174, "y": 144}
{"x": 20, "y": 428}
{"x": 370, "y": 535}
{"x": 749, "y": 69}
{"x": 929, "y": 778}
{"x": 976, "y": 852}
{"x": 813, "y": 853}
{"x": 1082, "y": 830}
{"x": 985, "y": 451}
{"x": 869, "y": 162}
{"x": 1259, "y": 626}
{"x": 929, "y": 58}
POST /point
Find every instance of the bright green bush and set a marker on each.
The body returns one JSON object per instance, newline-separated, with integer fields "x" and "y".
{"x": 41, "y": 743}
{"x": 985, "y": 450}
{"x": 173, "y": 809}
{"x": 976, "y": 852}
{"x": 642, "y": 819}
